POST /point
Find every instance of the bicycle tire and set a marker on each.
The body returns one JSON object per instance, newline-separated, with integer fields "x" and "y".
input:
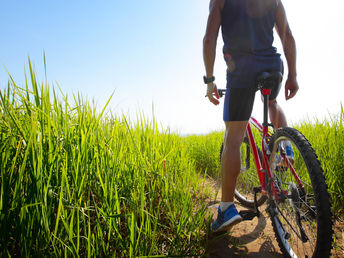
{"x": 302, "y": 222}
{"x": 244, "y": 191}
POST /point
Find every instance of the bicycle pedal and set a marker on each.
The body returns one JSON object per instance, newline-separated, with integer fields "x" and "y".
{"x": 248, "y": 214}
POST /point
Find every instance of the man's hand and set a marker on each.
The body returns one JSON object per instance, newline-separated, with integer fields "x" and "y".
{"x": 211, "y": 88}
{"x": 291, "y": 87}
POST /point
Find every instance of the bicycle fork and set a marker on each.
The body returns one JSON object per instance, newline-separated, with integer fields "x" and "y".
{"x": 274, "y": 212}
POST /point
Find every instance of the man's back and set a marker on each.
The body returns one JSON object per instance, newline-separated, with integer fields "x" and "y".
{"x": 247, "y": 26}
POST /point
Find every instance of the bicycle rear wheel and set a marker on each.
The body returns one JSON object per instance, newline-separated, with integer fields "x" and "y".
{"x": 248, "y": 177}
{"x": 301, "y": 217}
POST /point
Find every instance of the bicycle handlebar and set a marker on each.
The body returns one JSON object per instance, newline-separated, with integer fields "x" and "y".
{"x": 221, "y": 92}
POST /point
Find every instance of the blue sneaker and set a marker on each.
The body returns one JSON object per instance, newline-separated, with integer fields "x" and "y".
{"x": 229, "y": 217}
{"x": 290, "y": 153}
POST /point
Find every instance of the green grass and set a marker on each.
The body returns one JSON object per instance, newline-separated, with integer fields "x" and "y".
{"x": 77, "y": 182}
{"x": 204, "y": 150}
{"x": 327, "y": 138}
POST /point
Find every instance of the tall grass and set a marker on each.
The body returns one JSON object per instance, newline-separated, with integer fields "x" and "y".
{"x": 205, "y": 151}
{"x": 75, "y": 182}
{"x": 327, "y": 138}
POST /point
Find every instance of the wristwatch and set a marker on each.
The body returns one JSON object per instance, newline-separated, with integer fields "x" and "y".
{"x": 208, "y": 80}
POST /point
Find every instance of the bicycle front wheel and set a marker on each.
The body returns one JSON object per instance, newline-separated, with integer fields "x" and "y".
{"x": 301, "y": 215}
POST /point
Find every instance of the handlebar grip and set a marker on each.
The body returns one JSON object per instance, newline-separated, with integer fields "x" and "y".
{"x": 221, "y": 92}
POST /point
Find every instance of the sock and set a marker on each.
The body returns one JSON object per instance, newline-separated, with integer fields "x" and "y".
{"x": 286, "y": 143}
{"x": 224, "y": 205}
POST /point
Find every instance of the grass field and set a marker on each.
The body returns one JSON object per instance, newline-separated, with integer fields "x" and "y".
{"x": 76, "y": 182}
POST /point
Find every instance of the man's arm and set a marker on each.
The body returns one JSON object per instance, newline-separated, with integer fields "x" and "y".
{"x": 210, "y": 40}
{"x": 289, "y": 48}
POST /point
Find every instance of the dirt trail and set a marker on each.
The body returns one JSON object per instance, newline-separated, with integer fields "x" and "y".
{"x": 255, "y": 238}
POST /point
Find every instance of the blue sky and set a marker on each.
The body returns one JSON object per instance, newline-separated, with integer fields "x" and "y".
{"x": 150, "y": 52}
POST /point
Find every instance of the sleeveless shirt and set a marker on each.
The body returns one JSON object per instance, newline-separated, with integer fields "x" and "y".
{"x": 247, "y": 32}
{"x": 247, "y": 26}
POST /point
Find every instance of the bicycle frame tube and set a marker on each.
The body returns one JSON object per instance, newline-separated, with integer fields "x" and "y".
{"x": 298, "y": 180}
{"x": 266, "y": 94}
{"x": 256, "y": 156}
{"x": 263, "y": 169}
{"x": 256, "y": 124}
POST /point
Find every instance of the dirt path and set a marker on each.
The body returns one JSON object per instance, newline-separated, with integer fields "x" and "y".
{"x": 253, "y": 238}
{"x": 256, "y": 238}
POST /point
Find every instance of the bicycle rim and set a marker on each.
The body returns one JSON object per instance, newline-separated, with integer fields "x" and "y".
{"x": 301, "y": 217}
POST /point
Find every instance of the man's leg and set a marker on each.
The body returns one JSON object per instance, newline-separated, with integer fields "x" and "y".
{"x": 279, "y": 120}
{"x": 230, "y": 165}
{"x": 230, "y": 169}
{"x": 237, "y": 110}
{"x": 276, "y": 114}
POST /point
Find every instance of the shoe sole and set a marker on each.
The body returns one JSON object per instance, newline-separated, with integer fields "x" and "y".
{"x": 229, "y": 224}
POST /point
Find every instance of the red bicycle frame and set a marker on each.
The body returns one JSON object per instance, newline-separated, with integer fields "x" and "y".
{"x": 263, "y": 168}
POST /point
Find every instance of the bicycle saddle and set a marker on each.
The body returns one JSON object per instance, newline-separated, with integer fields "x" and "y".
{"x": 269, "y": 80}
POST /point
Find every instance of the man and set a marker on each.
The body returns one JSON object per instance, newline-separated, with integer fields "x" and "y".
{"x": 247, "y": 31}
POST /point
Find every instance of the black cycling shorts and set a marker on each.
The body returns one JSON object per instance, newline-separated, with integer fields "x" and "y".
{"x": 239, "y": 103}
{"x": 241, "y": 83}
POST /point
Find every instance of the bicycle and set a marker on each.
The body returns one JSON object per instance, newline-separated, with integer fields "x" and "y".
{"x": 298, "y": 202}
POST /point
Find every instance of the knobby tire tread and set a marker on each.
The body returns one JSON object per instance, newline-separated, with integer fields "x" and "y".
{"x": 325, "y": 218}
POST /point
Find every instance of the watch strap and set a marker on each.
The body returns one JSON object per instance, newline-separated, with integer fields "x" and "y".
{"x": 208, "y": 80}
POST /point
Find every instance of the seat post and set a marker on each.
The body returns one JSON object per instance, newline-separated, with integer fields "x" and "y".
{"x": 265, "y": 82}
{"x": 266, "y": 93}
